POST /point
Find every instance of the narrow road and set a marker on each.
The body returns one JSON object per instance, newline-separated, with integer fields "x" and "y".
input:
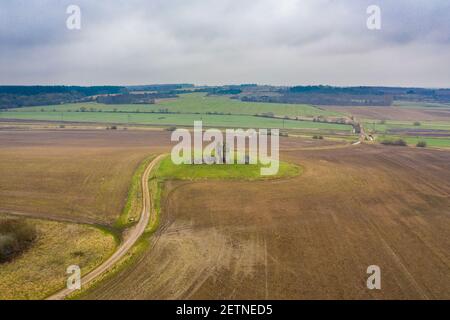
{"x": 132, "y": 237}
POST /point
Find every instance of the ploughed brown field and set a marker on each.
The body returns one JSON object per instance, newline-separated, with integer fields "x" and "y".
{"x": 309, "y": 237}
{"x": 74, "y": 175}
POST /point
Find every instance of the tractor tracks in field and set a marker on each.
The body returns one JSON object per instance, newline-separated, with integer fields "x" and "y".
{"x": 132, "y": 236}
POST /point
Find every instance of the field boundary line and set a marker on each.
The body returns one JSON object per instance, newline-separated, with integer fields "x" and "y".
{"x": 49, "y": 217}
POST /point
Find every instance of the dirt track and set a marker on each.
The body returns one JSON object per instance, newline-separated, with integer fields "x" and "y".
{"x": 132, "y": 237}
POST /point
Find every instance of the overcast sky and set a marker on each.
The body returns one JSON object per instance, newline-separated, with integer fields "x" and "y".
{"x": 282, "y": 42}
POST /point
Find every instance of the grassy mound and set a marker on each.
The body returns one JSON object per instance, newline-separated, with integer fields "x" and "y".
{"x": 168, "y": 170}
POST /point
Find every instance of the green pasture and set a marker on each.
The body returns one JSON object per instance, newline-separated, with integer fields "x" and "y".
{"x": 193, "y": 103}
{"x": 168, "y": 170}
{"x": 228, "y": 121}
{"x": 431, "y": 141}
{"x": 395, "y": 124}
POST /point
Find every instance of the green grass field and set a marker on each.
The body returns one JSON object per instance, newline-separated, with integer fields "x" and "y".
{"x": 199, "y": 103}
{"x": 395, "y": 124}
{"x": 183, "y": 111}
{"x": 437, "y": 142}
{"x": 231, "y": 121}
{"x": 412, "y": 141}
{"x": 194, "y": 103}
{"x": 409, "y": 104}
{"x": 168, "y": 170}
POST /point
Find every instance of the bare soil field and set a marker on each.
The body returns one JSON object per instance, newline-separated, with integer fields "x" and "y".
{"x": 394, "y": 113}
{"x": 79, "y": 175}
{"x": 72, "y": 175}
{"x": 308, "y": 237}
{"x": 295, "y": 143}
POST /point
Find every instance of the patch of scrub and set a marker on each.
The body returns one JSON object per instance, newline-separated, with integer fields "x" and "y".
{"x": 41, "y": 270}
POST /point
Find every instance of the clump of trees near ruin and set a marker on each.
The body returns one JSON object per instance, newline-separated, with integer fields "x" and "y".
{"x": 16, "y": 235}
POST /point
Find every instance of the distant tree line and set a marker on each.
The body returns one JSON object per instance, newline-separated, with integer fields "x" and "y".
{"x": 160, "y": 87}
{"x": 224, "y": 92}
{"x": 85, "y": 91}
{"x": 135, "y": 98}
{"x": 16, "y": 101}
{"x": 325, "y": 99}
{"x": 24, "y": 96}
{"x": 347, "y": 96}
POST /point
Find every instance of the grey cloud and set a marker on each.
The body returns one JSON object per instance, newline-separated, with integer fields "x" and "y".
{"x": 225, "y": 41}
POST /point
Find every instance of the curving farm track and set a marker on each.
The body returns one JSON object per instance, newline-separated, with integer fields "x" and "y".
{"x": 132, "y": 237}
